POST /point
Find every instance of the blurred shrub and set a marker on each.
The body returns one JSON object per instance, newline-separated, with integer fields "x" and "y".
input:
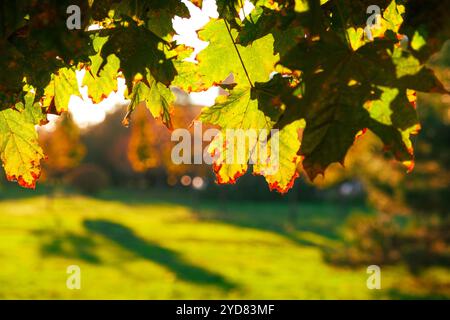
{"x": 384, "y": 239}
{"x": 88, "y": 178}
{"x": 414, "y": 219}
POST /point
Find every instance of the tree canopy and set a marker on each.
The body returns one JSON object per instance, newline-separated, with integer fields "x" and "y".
{"x": 305, "y": 67}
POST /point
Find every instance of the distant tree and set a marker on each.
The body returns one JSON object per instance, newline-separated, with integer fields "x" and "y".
{"x": 150, "y": 146}
{"x": 106, "y": 145}
{"x": 63, "y": 146}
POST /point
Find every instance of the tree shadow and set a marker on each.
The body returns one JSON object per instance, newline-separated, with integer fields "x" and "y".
{"x": 68, "y": 245}
{"x": 313, "y": 224}
{"x": 396, "y": 294}
{"x": 127, "y": 239}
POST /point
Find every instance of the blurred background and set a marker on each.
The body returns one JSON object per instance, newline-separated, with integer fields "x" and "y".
{"x": 111, "y": 201}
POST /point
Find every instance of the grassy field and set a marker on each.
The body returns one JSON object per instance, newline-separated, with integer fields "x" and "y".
{"x": 151, "y": 247}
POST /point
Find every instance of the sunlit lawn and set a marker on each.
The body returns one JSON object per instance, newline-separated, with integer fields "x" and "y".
{"x": 133, "y": 247}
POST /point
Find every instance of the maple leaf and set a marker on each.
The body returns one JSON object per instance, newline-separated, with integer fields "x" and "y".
{"x": 138, "y": 49}
{"x": 263, "y": 21}
{"x": 157, "y": 15}
{"x": 32, "y": 111}
{"x": 144, "y": 63}
{"x": 336, "y": 87}
{"x": 220, "y": 59}
{"x": 101, "y": 76}
{"x": 19, "y": 149}
{"x": 229, "y": 10}
{"x": 247, "y": 116}
{"x": 11, "y": 77}
{"x": 62, "y": 86}
{"x": 157, "y": 97}
{"x": 238, "y": 111}
{"x": 280, "y": 171}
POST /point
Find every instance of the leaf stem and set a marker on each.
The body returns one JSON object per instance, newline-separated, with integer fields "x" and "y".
{"x": 341, "y": 16}
{"x": 238, "y": 53}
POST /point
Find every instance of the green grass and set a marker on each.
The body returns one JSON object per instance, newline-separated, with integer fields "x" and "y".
{"x": 150, "y": 247}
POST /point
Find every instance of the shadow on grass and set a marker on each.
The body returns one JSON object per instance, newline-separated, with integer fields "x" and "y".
{"x": 125, "y": 238}
{"x": 307, "y": 224}
{"x": 396, "y": 294}
{"x": 315, "y": 224}
{"x": 68, "y": 245}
